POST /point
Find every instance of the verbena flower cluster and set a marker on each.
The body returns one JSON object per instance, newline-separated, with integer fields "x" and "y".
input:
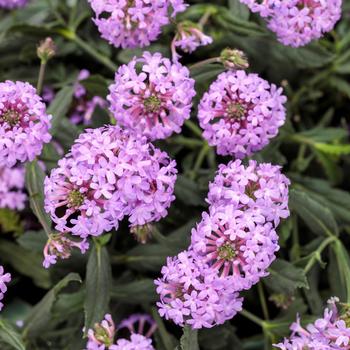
{"x": 12, "y": 4}
{"x": 231, "y": 248}
{"x": 331, "y": 332}
{"x": 5, "y": 278}
{"x": 240, "y": 113}
{"x": 102, "y": 336}
{"x": 130, "y": 24}
{"x": 11, "y": 188}
{"x": 24, "y": 124}
{"x": 298, "y": 22}
{"x": 108, "y": 174}
{"x": 154, "y": 100}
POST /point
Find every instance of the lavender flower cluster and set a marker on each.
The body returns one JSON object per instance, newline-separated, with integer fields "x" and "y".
{"x": 231, "y": 248}
{"x": 139, "y": 326}
{"x": 332, "y": 332}
{"x": 5, "y": 278}
{"x": 12, "y": 4}
{"x": 298, "y": 22}
{"x": 108, "y": 174}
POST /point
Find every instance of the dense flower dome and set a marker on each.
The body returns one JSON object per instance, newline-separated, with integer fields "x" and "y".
{"x": 136, "y": 342}
{"x": 108, "y": 174}
{"x": 259, "y": 187}
{"x": 191, "y": 293}
{"x": 24, "y": 124}
{"x": 236, "y": 243}
{"x": 5, "y": 278}
{"x": 12, "y": 4}
{"x": 11, "y": 188}
{"x": 153, "y": 100}
{"x": 240, "y": 113}
{"x": 135, "y": 23}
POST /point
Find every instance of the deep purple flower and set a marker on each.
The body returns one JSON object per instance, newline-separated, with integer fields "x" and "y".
{"x": 4, "y": 279}
{"x": 140, "y": 324}
{"x": 24, "y": 124}
{"x": 11, "y": 188}
{"x": 136, "y": 342}
{"x": 102, "y": 336}
{"x": 192, "y": 293}
{"x": 130, "y": 24}
{"x": 12, "y": 4}
{"x": 236, "y": 243}
{"x": 154, "y": 100}
{"x": 240, "y": 113}
{"x": 328, "y": 333}
{"x": 261, "y": 188}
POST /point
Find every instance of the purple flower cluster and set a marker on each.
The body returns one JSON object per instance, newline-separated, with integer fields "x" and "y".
{"x": 231, "y": 248}
{"x": 154, "y": 100}
{"x": 240, "y": 113}
{"x": 11, "y": 188}
{"x": 298, "y": 22}
{"x": 102, "y": 336}
{"x": 84, "y": 106}
{"x": 108, "y": 174}
{"x": 136, "y": 23}
{"x": 329, "y": 333}
{"x": 24, "y": 124}
{"x": 4, "y": 279}
{"x": 12, "y": 4}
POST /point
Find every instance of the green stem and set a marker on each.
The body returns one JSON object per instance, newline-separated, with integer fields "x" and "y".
{"x": 199, "y": 161}
{"x": 42, "y": 70}
{"x": 162, "y": 330}
{"x": 263, "y": 301}
{"x": 252, "y": 318}
{"x": 194, "y": 128}
{"x": 204, "y": 19}
{"x": 205, "y": 62}
{"x": 104, "y": 60}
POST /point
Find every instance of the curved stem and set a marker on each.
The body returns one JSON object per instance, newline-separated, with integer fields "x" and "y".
{"x": 263, "y": 301}
{"x": 205, "y": 62}
{"x": 252, "y": 318}
{"x": 40, "y": 84}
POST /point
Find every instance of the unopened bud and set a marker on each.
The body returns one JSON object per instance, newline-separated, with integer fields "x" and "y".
{"x": 46, "y": 50}
{"x": 282, "y": 301}
{"x": 234, "y": 59}
{"x": 142, "y": 233}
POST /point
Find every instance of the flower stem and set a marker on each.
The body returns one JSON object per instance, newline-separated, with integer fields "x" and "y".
{"x": 194, "y": 128}
{"x": 205, "y": 62}
{"x": 263, "y": 301}
{"x": 204, "y": 19}
{"x": 252, "y": 318}
{"x": 42, "y": 70}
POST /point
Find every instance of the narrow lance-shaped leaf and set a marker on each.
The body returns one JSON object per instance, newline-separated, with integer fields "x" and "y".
{"x": 9, "y": 336}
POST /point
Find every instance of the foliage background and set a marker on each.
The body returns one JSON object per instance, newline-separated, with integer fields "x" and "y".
{"x": 313, "y": 147}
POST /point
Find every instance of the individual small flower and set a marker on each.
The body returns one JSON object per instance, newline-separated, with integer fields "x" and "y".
{"x": 60, "y": 246}
{"x": 102, "y": 336}
{"x": 131, "y": 24}
{"x": 154, "y": 100}
{"x": 136, "y": 342}
{"x": 5, "y": 278}
{"x": 12, "y": 187}
{"x": 329, "y": 333}
{"x": 191, "y": 293}
{"x": 188, "y": 38}
{"x": 236, "y": 243}
{"x": 261, "y": 188}
{"x": 12, "y": 4}
{"x": 140, "y": 324}
{"x": 24, "y": 124}
{"x": 240, "y": 113}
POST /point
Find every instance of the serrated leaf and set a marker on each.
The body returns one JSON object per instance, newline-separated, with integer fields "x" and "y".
{"x": 41, "y": 313}
{"x": 98, "y": 286}
{"x": 316, "y": 216}
{"x": 285, "y": 278}
{"x": 11, "y": 337}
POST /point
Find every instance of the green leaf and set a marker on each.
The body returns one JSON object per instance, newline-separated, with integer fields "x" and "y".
{"x": 98, "y": 286}
{"x": 188, "y": 192}
{"x": 316, "y": 215}
{"x": 35, "y": 186}
{"x": 34, "y": 241}
{"x": 60, "y": 106}
{"x": 336, "y": 150}
{"x": 10, "y": 221}
{"x": 96, "y": 85}
{"x": 41, "y": 314}
{"x": 219, "y": 338}
{"x": 136, "y": 292}
{"x": 189, "y": 339}
{"x": 11, "y": 337}
{"x": 285, "y": 278}
{"x": 238, "y": 9}
{"x": 164, "y": 339}
{"x": 26, "y": 262}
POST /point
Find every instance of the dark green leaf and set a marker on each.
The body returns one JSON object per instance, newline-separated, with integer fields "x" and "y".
{"x": 9, "y": 336}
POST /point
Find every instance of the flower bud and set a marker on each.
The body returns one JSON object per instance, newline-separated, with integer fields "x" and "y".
{"x": 46, "y": 50}
{"x": 234, "y": 59}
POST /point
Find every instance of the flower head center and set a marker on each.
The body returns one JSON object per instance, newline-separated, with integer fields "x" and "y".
{"x": 235, "y": 111}
{"x": 152, "y": 104}
{"x": 75, "y": 199}
{"x": 227, "y": 251}
{"x": 11, "y": 117}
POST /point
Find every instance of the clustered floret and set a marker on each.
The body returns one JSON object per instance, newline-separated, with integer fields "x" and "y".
{"x": 133, "y": 23}
{"x": 5, "y": 278}
{"x": 298, "y": 22}
{"x": 154, "y": 99}
{"x": 11, "y": 188}
{"x": 108, "y": 174}
{"x": 24, "y": 124}
{"x": 331, "y": 332}
{"x": 240, "y": 113}
{"x": 12, "y": 4}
